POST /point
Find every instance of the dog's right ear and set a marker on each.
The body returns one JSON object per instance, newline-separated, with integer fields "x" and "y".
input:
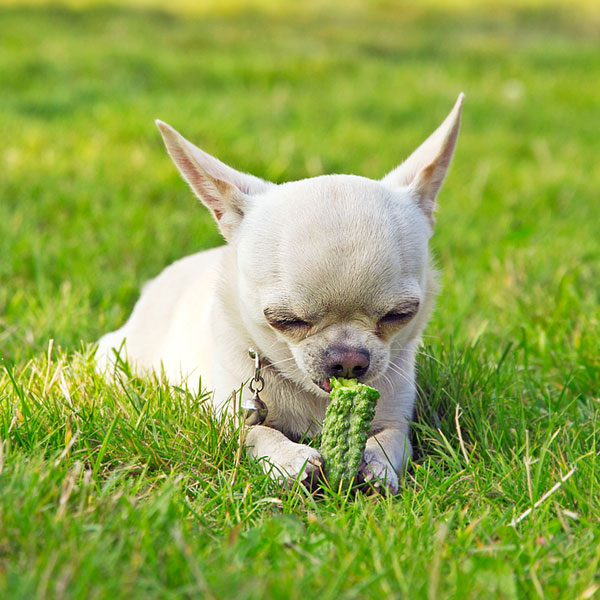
{"x": 423, "y": 172}
{"x": 222, "y": 189}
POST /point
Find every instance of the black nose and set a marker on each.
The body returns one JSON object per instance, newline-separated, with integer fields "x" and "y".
{"x": 346, "y": 362}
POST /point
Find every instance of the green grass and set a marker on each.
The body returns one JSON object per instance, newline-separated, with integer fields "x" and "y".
{"x": 137, "y": 490}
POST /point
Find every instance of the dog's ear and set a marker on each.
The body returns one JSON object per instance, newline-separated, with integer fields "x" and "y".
{"x": 423, "y": 172}
{"x": 223, "y": 190}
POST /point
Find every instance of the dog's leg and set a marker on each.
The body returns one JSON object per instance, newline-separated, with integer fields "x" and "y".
{"x": 280, "y": 457}
{"x": 389, "y": 448}
{"x": 385, "y": 457}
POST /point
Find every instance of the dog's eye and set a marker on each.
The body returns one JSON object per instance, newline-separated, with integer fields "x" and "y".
{"x": 393, "y": 317}
{"x": 289, "y": 324}
{"x": 400, "y": 315}
{"x": 286, "y": 323}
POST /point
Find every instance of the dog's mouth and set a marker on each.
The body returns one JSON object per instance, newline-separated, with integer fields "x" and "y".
{"x": 325, "y": 385}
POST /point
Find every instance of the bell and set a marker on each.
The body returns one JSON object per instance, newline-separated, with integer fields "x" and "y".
{"x": 254, "y": 411}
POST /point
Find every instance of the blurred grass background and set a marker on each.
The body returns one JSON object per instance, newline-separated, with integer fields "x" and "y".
{"x": 91, "y": 205}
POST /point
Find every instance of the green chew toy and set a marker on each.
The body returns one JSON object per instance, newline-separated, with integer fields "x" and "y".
{"x": 344, "y": 436}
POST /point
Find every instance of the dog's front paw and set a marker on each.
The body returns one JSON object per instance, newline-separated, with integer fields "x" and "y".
{"x": 377, "y": 471}
{"x": 297, "y": 462}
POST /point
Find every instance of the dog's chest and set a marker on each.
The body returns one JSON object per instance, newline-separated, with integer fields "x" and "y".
{"x": 293, "y": 411}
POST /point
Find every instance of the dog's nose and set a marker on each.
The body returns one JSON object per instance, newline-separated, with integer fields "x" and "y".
{"x": 347, "y": 362}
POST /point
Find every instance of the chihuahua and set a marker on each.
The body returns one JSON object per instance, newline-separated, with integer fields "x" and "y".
{"x": 324, "y": 277}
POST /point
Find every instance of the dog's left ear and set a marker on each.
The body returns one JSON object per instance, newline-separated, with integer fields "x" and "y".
{"x": 225, "y": 191}
{"x": 423, "y": 172}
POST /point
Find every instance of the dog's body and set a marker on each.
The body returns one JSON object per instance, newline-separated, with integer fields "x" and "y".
{"x": 329, "y": 276}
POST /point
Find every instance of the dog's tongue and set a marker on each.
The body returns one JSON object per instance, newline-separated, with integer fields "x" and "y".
{"x": 326, "y": 385}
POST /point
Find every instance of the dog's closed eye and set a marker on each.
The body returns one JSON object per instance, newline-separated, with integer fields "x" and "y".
{"x": 399, "y": 315}
{"x": 286, "y": 322}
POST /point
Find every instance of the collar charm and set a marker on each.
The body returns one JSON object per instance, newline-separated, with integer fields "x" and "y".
{"x": 253, "y": 410}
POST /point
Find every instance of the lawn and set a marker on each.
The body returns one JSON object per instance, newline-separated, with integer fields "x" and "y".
{"x": 137, "y": 490}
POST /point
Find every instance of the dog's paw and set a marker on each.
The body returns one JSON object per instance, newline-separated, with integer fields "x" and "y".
{"x": 297, "y": 462}
{"x": 379, "y": 473}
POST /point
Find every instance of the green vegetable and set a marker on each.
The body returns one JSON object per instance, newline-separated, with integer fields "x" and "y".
{"x": 349, "y": 414}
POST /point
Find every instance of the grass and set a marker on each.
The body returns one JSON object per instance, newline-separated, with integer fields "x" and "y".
{"x": 137, "y": 490}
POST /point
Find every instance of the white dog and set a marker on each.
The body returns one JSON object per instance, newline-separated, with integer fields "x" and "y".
{"x": 328, "y": 276}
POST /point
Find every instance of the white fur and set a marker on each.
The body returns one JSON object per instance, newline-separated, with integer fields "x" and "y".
{"x": 338, "y": 251}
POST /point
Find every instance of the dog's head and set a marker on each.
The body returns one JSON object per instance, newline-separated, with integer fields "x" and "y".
{"x": 333, "y": 275}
